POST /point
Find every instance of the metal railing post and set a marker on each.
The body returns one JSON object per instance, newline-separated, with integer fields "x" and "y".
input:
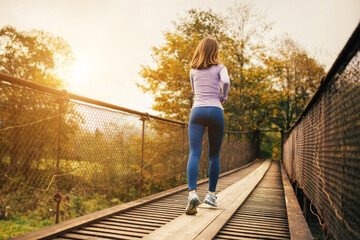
{"x": 228, "y": 147}
{"x": 58, "y": 196}
{"x": 228, "y": 139}
{"x": 282, "y": 145}
{"x": 181, "y": 169}
{"x": 143, "y": 119}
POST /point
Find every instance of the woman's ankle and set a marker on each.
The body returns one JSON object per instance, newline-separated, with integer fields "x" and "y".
{"x": 191, "y": 191}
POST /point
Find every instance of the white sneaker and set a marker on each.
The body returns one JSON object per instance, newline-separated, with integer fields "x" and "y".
{"x": 210, "y": 199}
{"x": 193, "y": 202}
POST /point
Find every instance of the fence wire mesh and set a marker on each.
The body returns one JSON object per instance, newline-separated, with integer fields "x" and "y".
{"x": 62, "y": 158}
{"x": 322, "y": 151}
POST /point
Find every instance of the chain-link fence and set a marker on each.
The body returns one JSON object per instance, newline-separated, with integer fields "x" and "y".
{"x": 322, "y": 149}
{"x": 63, "y": 155}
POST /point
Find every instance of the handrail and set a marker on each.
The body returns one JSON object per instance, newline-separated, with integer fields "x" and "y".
{"x": 37, "y": 86}
{"x": 341, "y": 61}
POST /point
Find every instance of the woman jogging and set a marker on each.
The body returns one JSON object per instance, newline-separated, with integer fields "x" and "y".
{"x": 207, "y": 77}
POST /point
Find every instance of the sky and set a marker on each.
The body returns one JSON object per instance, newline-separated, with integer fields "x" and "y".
{"x": 111, "y": 39}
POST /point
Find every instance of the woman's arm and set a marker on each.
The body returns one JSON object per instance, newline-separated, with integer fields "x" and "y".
{"x": 191, "y": 81}
{"x": 225, "y": 83}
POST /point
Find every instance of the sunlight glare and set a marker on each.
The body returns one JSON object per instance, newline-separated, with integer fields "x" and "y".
{"x": 79, "y": 70}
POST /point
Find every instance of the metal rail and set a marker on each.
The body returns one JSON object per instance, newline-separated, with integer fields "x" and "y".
{"x": 65, "y": 93}
{"x": 344, "y": 57}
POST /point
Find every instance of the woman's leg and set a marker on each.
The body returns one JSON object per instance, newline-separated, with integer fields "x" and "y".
{"x": 215, "y": 132}
{"x": 196, "y": 132}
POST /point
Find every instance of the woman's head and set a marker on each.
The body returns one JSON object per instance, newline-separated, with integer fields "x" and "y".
{"x": 206, "y": 54}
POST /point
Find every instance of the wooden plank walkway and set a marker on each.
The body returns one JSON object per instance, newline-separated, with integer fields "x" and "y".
{"x": 209, "y": 218}
{"x": 252, "y": 204}
{"x": 263, "y": 214}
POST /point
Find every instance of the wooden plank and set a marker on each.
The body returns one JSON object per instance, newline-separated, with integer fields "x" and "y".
{"x": 188, "y": 227}
{"x": 118, "y": 224}
{"x": 141, "y": 219}
{"x": 146, "y": 214}
{"x": 81, "y": 236}
{"x": 251, "y": 236}
{"x": 259, "y": 218}
{"x": 113, "y": 231}
{"x": 159, "y": 209}
{"x": 256, "y": 231}
{"x": 162, "y": 204}
{"x": 106, "y": 235}
{"x": 150, "y": 215}
{"x": 170, "y": 202}
{"x": 134, "y": 222}
{"x": 239, "y": 225}
{"x": 149, "y": 212}
{"x": 299, "y": 230}
{"x": 225, "y": 237}
{"x": 129, "y": 229}
{"x": 260, "y": 223}
{"x": 145, "y": 220}
{"x": 265, "y": 213}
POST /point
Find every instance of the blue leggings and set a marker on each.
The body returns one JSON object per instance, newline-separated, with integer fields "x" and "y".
{"x": 213, "y": 119}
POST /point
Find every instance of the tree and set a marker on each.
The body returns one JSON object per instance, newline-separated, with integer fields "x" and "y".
{"x": 257, "y": 72}
{"x": 169, "y": 81}
{"x": 40, "y": 57}
{"x": 296, "y": 76}
{"x": 248, "y": 103}
{"x": 240, "y": 52}
{"x": 34, "y": 55}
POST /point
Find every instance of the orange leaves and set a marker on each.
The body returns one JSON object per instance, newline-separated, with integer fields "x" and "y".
{"x": 269, "y": 84}
{"x": 169, "y": 80}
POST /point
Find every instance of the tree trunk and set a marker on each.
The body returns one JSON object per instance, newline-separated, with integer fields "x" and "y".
{"x": 256, "y": 142}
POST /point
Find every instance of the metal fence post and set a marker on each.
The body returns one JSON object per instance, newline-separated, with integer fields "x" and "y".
{"x": 143, "y": 119}
{"x": 183, "y": 154}
{"x": 228, "y": 147}
{"x": 58, "y": 196}
{"x": 229, "y": 131}
{"x": 282, "y": 145}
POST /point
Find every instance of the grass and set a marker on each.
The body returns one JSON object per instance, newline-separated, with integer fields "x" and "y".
{"x": 72, "y": 207}
{"x": 19, "y": 224}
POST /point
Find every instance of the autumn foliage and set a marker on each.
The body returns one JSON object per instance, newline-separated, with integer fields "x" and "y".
{"x": 271, "y": 79}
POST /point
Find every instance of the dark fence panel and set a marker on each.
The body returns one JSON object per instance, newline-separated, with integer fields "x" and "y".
{"x": 63, "y": 155}
{"x": 322, "y": 150}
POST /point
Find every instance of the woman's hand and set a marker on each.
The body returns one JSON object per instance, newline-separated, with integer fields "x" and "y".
{"x": 222, "y": 99}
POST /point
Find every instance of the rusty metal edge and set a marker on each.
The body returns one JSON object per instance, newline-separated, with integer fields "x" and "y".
{"x": 299, "y": 229}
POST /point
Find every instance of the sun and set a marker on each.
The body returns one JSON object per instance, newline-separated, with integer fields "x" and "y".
{"x": 79, "y": 74}
{"x": 79, "y": 70}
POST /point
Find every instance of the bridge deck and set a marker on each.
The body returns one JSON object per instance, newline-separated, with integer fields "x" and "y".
{"x": 252, "y": 204}
{"x": 263, "y": 214}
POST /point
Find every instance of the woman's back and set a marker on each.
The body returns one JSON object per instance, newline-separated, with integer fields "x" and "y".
{"x": 206, "y": 84}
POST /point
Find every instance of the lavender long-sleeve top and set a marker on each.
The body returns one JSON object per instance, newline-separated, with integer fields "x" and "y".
{"x": 206, "y": 84}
